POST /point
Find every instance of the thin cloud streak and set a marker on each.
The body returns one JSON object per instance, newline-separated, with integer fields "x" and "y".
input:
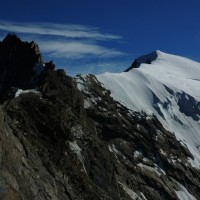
{"x": 76, "y": 49}
{"x": 72, "y": 46}
{"x": 52, "y": 29}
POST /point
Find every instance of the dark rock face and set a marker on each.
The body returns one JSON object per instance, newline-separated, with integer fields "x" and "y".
{"x": 188, "y": 106}
{"x": 147, "y": 59}
{"x": 68, "y": 143}
{"x": 17, "y": 60}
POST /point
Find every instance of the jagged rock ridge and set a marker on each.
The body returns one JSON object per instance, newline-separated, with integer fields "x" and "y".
{"x": 16, "y": 60}
{"x": 69, "y": 139}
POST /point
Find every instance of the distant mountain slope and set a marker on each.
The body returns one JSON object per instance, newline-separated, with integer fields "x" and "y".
{"x": 167, "y": 86}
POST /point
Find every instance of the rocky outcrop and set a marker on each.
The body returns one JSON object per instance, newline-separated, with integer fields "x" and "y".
{"x": 146, "y": 59}
{"x": 17, "y": 61}
{"x": 188, "y": 105}
{"x": 71, "y": 140}
{"x": 149, "y": 160}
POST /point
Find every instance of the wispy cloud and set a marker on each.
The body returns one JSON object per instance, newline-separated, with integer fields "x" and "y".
{"x": 77, "y": 49}
{"x": 68, "y": 31}
{"x": 69, "y": 44}
{"x": 65, "y": 41}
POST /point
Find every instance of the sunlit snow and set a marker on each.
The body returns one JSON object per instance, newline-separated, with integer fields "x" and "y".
{"x": 169, "y": 87}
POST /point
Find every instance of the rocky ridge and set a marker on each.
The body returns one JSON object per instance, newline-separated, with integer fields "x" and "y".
{"x": 67, "y": 138}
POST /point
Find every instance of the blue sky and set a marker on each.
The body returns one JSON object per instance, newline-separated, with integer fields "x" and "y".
{"x": 94, "y": 36}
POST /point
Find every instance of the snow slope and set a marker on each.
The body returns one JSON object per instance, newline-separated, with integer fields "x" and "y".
{"x": 168, "y": 87}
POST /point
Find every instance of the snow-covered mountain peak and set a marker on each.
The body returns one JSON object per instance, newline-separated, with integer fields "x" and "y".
{"x": 171, "y": 70}
{"x": 148, "y": 59}
{"x": 160, "y": 57}
{"x": 164, "y": 85}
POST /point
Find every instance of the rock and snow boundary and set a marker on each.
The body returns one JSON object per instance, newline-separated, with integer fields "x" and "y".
{"x": 168, "y": 86}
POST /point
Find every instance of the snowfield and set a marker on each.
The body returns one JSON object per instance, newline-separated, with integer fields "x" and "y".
{"x": 168, "y": 87}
